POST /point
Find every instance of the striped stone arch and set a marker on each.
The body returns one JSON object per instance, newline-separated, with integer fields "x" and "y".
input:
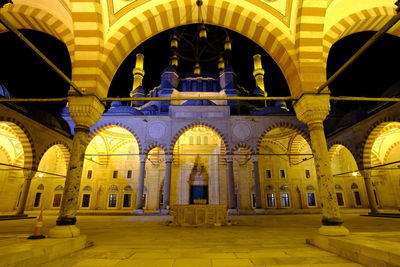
{"x": 154, "y": 145}
{"x": 335, "y": 147}
{"x": 28, "y": 17}
{"x": 390, "y": 150}
{"x": 64, "y": 147}
{"x": 195, "y": 124}
{"x": 7, "y": 155}
{"x": 365, "y": 20}
{"x": 283, "y": 125}
{"x": 100, "y": 128}
{"x": 233, "y": 15}
{"x": 242, "y": 145}
{"x": 30, "y": 160}
{"x": 372, "y": 134}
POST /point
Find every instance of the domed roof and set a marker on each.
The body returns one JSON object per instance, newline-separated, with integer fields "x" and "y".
{"x": 203, "y": 102}
{"x": 118, "y": 109}
{"x": 4, "y": 92}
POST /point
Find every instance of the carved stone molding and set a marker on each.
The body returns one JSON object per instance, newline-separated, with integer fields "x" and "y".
{"x": 85, "y": 110}
{"x": 312, "y": 108}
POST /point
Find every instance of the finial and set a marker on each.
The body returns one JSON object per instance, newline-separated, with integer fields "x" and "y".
{"x": 196, "y": 70}
{"x": 221, "y": 64}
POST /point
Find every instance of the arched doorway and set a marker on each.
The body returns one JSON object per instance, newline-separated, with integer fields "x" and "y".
{"x": 197, "y": 170}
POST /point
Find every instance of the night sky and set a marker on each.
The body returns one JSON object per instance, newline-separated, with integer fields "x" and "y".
{"x": 25, "y": 75}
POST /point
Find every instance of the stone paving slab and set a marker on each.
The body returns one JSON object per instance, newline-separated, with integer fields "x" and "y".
{"x": 256, "y": 241}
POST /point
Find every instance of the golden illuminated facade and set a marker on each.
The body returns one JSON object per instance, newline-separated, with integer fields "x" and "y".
{"x": 198, "y": 154}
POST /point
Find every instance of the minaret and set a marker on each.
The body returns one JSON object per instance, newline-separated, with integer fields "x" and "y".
{"x": 259, "y": 76}
{"x": 138, "y": 73}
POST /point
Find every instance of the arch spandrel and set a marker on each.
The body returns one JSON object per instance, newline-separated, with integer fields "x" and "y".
{"x": 247, "y": 19}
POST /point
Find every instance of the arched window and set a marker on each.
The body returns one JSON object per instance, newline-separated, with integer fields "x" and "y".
{"x": 198, "y": 140}
{"x": 354, "y": 186}
{"x": 284, "y": 188}
{"x": 59, "y": 188}
{"x": 310, "y": 187}
{"x": 40, "y": 187}
{"x": 113, "y": 188}
{"x": 206, "y": 140}
{"x": 338, "y": 187}
{"x": 128, "y": 188}
{"x": 87, "y": 188}
{"x": 191, "y": 140}
{"x": 269, "y": 188}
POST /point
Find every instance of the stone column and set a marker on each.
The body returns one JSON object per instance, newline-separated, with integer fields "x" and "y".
{"x": 28, "y": 174}
{"x": 370, "y": 192}
{"x": 167, "y": 184}
{"x": 142, "y": 174}
{"x": 85, "y": 111}
{"x": 231, "y": 184}
{"x": 256, "y": 183}
{"x": 312, "y": 109}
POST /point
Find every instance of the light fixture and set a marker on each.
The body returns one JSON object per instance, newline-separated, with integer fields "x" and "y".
{"x": 354, "y": 173}
{"x": 40, "y": 175}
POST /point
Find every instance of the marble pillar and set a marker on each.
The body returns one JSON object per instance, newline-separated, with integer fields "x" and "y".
{"x": 28, "y": 174}
{"x": 142, "y": 174}
{"x": 370, "y": 192}
{"x": 167, "y": 184}
{"x": 256, "y": 176}
{"x": 312, "y": 109}
{"x": 231, "y": 183}
{"x": 85, "y": 111}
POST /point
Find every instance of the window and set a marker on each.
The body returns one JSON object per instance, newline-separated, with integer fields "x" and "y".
{"x": 285, "y": 200}
{"x": 89, "y": 174}
{"x": 57, "y": 200}
{"x": 206, "y": 140}
{"x": 129, "y": 174}
{"x": 253, "y": 201}
{"x": 376, "y": 197}
{"x": 198, "y": 141}
{"x": 338, "y": 187}
{"x": 311, "y": 199}
{"x": 268, "y": 174}
{"x": 271, "y": 200}
{"x": 115, "y": 174}
{"x": 307, "y": 173}
{"x": 112, "y": 200}
{"x": 357, "y": 198}
{"x": 85, "y": 200}
{"x": 191, "y": 140}
{"x": 36, "y": 203}
{"x": 127, "y": 201}
{"x": 340, "y": 199}
{"x": 310, "y": 187}
{"x": 282, "y": 174}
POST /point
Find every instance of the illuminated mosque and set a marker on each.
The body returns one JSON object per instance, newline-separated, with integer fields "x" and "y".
{"x": 148, "y": 156}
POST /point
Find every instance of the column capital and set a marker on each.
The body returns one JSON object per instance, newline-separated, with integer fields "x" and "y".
{"x": 312, "y": 108}
{"x": 229, "y": 158}
{"x": 142, "y": 157}
{"x": 85, "y": 110}
{"x": 29, "y": 174}
{"x": 168, "y": 158}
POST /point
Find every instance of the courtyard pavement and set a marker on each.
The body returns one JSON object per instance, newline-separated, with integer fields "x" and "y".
{"x": 253, "y": 240}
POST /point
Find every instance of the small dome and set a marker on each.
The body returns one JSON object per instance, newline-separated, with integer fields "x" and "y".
{"x": 119, "y": 109}
{"x": 4, "y": 92}
{"x": 204, "y": 102}
{"x": 116, "y": 104}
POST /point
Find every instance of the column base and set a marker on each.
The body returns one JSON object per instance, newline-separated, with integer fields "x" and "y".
{"x": 233, "y": 211}
{"x": 333, "y": 230}
{"x": 164, "y": 211}
{"x": 259, "y": 211}
{"x": 64, "y": 231}
{"x": 138, "y": 212}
